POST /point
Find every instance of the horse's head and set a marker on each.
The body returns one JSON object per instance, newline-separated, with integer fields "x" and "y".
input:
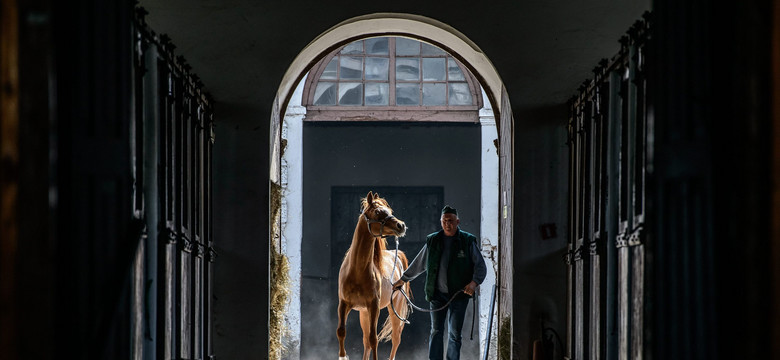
{"x": 379, "y": 217}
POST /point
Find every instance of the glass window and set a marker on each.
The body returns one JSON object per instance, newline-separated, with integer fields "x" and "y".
{"x": 366, "y": 72}
{"x": 433, "y": 69}
{"x": 377, "y": 68}
{"x": 407, "y": 69}
{"x": 351, "y": 68}
{"x": 407, "y": 94}
{"x": 332, "y": 70}
{"x": 350, "y": 94}
{"x": 353, "y": 48}
{"x": 407, "y": 47}
{"x": 325, "y": 94}
{"x": 434, "y": 94}
{"x": 377, "y": 94}
{"x": 460, "y": 94}
{"x": 428, "y": 49}
{"x": 453, "y": 70}
{"x": 377, "y": 46}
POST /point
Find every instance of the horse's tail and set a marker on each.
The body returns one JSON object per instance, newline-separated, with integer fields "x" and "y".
{"x": 401, "y": 306}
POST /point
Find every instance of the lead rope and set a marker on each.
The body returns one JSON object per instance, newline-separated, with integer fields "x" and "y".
{"x": 392, "y": 293}
{"x": 392, "y": 305}
{"x": 473, "y": 316}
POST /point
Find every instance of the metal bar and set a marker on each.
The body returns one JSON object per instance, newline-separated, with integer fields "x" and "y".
{"x": 490, "y": 323}
{"x": 775, "y": 173}
{"x": 613, "y": 171}
{"x": 152, "y": 196}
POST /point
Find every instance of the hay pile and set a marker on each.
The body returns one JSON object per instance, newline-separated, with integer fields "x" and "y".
{"x": 280, "y": 280}
{"x": 504, "y": 339}
{"x": 280, "y": 294}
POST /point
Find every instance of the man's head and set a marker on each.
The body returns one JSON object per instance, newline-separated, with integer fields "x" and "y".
{"x": 449, "y": 220}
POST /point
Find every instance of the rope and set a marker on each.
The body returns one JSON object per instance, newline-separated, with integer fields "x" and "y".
{"x": 409, "y": 301}
{"x": 407, "y": 297}
{"x": 473, "y": 316}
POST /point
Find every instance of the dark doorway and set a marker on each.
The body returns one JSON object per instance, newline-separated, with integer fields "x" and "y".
{"x": 419, "y": 207}
{"x": 417, "y": 173}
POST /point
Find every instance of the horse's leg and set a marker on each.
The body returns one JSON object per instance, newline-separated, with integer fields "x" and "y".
{"x": 341, "y": 331}
{"x": 373, "y": 311}
{"x": 398, "y": 325}
{"x": 365, "y": 324}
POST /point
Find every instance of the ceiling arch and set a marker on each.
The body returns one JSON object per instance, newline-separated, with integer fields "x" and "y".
{"x": 386, "y": 24}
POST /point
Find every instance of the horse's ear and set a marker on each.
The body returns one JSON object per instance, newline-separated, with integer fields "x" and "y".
{"x": 370, "y": 197}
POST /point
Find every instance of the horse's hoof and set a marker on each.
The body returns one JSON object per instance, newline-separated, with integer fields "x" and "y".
{"x": 344, "y": 357}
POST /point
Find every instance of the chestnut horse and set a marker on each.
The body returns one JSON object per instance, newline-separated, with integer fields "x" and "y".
{"x": 367, "y": 274}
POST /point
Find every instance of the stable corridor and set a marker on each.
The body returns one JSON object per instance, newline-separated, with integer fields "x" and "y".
{"x": 162, "y": 196}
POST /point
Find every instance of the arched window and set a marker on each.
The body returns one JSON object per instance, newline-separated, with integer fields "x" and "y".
{"x": 376, "y": 76}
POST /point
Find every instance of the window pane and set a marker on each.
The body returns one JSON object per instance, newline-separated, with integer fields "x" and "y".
{"x": 376, "y": 46}
{"x": 377, "y": 68}
{"x": 351, "y": 68}
{"x": 407, "y": 69}
{"x": 424, "y": 75}
{"x": 407, "y": 47}
{"x": 353, "y": 48}
{"x": 407, "y": 94}
{"x": 350, "y": 94}
{"x": 433, "y": 69}
{"x": 434, "y": 94}
{"x": 325, "y": 94}
{"x": 453, "y": 70}
{"x": 428, "y": 49}
{"x": 460, "y": 94}
{"x": 377, "y": 93}
{"x": 331, "y": 71}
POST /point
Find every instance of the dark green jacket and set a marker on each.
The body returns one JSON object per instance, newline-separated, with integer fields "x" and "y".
{"x": 460, "y": 269}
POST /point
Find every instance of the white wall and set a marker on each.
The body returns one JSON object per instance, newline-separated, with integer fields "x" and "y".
{"x": 488, "y": 225}
{"x": 292, "y": 216}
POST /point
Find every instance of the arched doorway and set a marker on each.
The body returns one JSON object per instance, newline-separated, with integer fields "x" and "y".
{"x": 439, "y": 35}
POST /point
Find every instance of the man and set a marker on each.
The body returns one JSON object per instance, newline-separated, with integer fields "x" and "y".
{"x": 453, "y": 262}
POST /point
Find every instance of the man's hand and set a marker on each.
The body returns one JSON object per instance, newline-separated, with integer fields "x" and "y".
{"x": 470, "y": 288}
{"x": 397, "y": 285}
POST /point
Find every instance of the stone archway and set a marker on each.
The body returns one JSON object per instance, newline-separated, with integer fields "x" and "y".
{"x": 458, "y": 45}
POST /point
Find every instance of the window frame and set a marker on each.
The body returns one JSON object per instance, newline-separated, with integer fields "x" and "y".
{"x": 392, "y": 112}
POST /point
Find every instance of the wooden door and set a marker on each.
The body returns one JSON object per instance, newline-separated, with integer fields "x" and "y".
{"x": 608, "y": 139}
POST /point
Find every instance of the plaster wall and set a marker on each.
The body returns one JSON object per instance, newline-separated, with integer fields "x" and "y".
{"x": 541, "y": 197}
{"x": 291, "y": 219}
{"x": 489, "y": 232}
{"x": 240, "y": 216}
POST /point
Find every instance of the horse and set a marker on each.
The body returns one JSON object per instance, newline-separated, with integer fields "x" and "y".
{"x": 366, "y": 277}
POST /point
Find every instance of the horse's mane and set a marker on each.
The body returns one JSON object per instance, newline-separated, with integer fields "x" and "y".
{"x": 381, "y": 201}
{"x": 381, "y": 244}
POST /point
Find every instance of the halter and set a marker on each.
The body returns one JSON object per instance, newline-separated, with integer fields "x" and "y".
{"x": 381, "y": 225}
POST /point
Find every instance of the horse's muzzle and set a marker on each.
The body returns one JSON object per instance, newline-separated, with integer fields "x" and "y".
{"x": 401, "y": 229}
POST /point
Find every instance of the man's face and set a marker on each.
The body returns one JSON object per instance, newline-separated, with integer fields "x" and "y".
{"x": 449, "y": 223}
